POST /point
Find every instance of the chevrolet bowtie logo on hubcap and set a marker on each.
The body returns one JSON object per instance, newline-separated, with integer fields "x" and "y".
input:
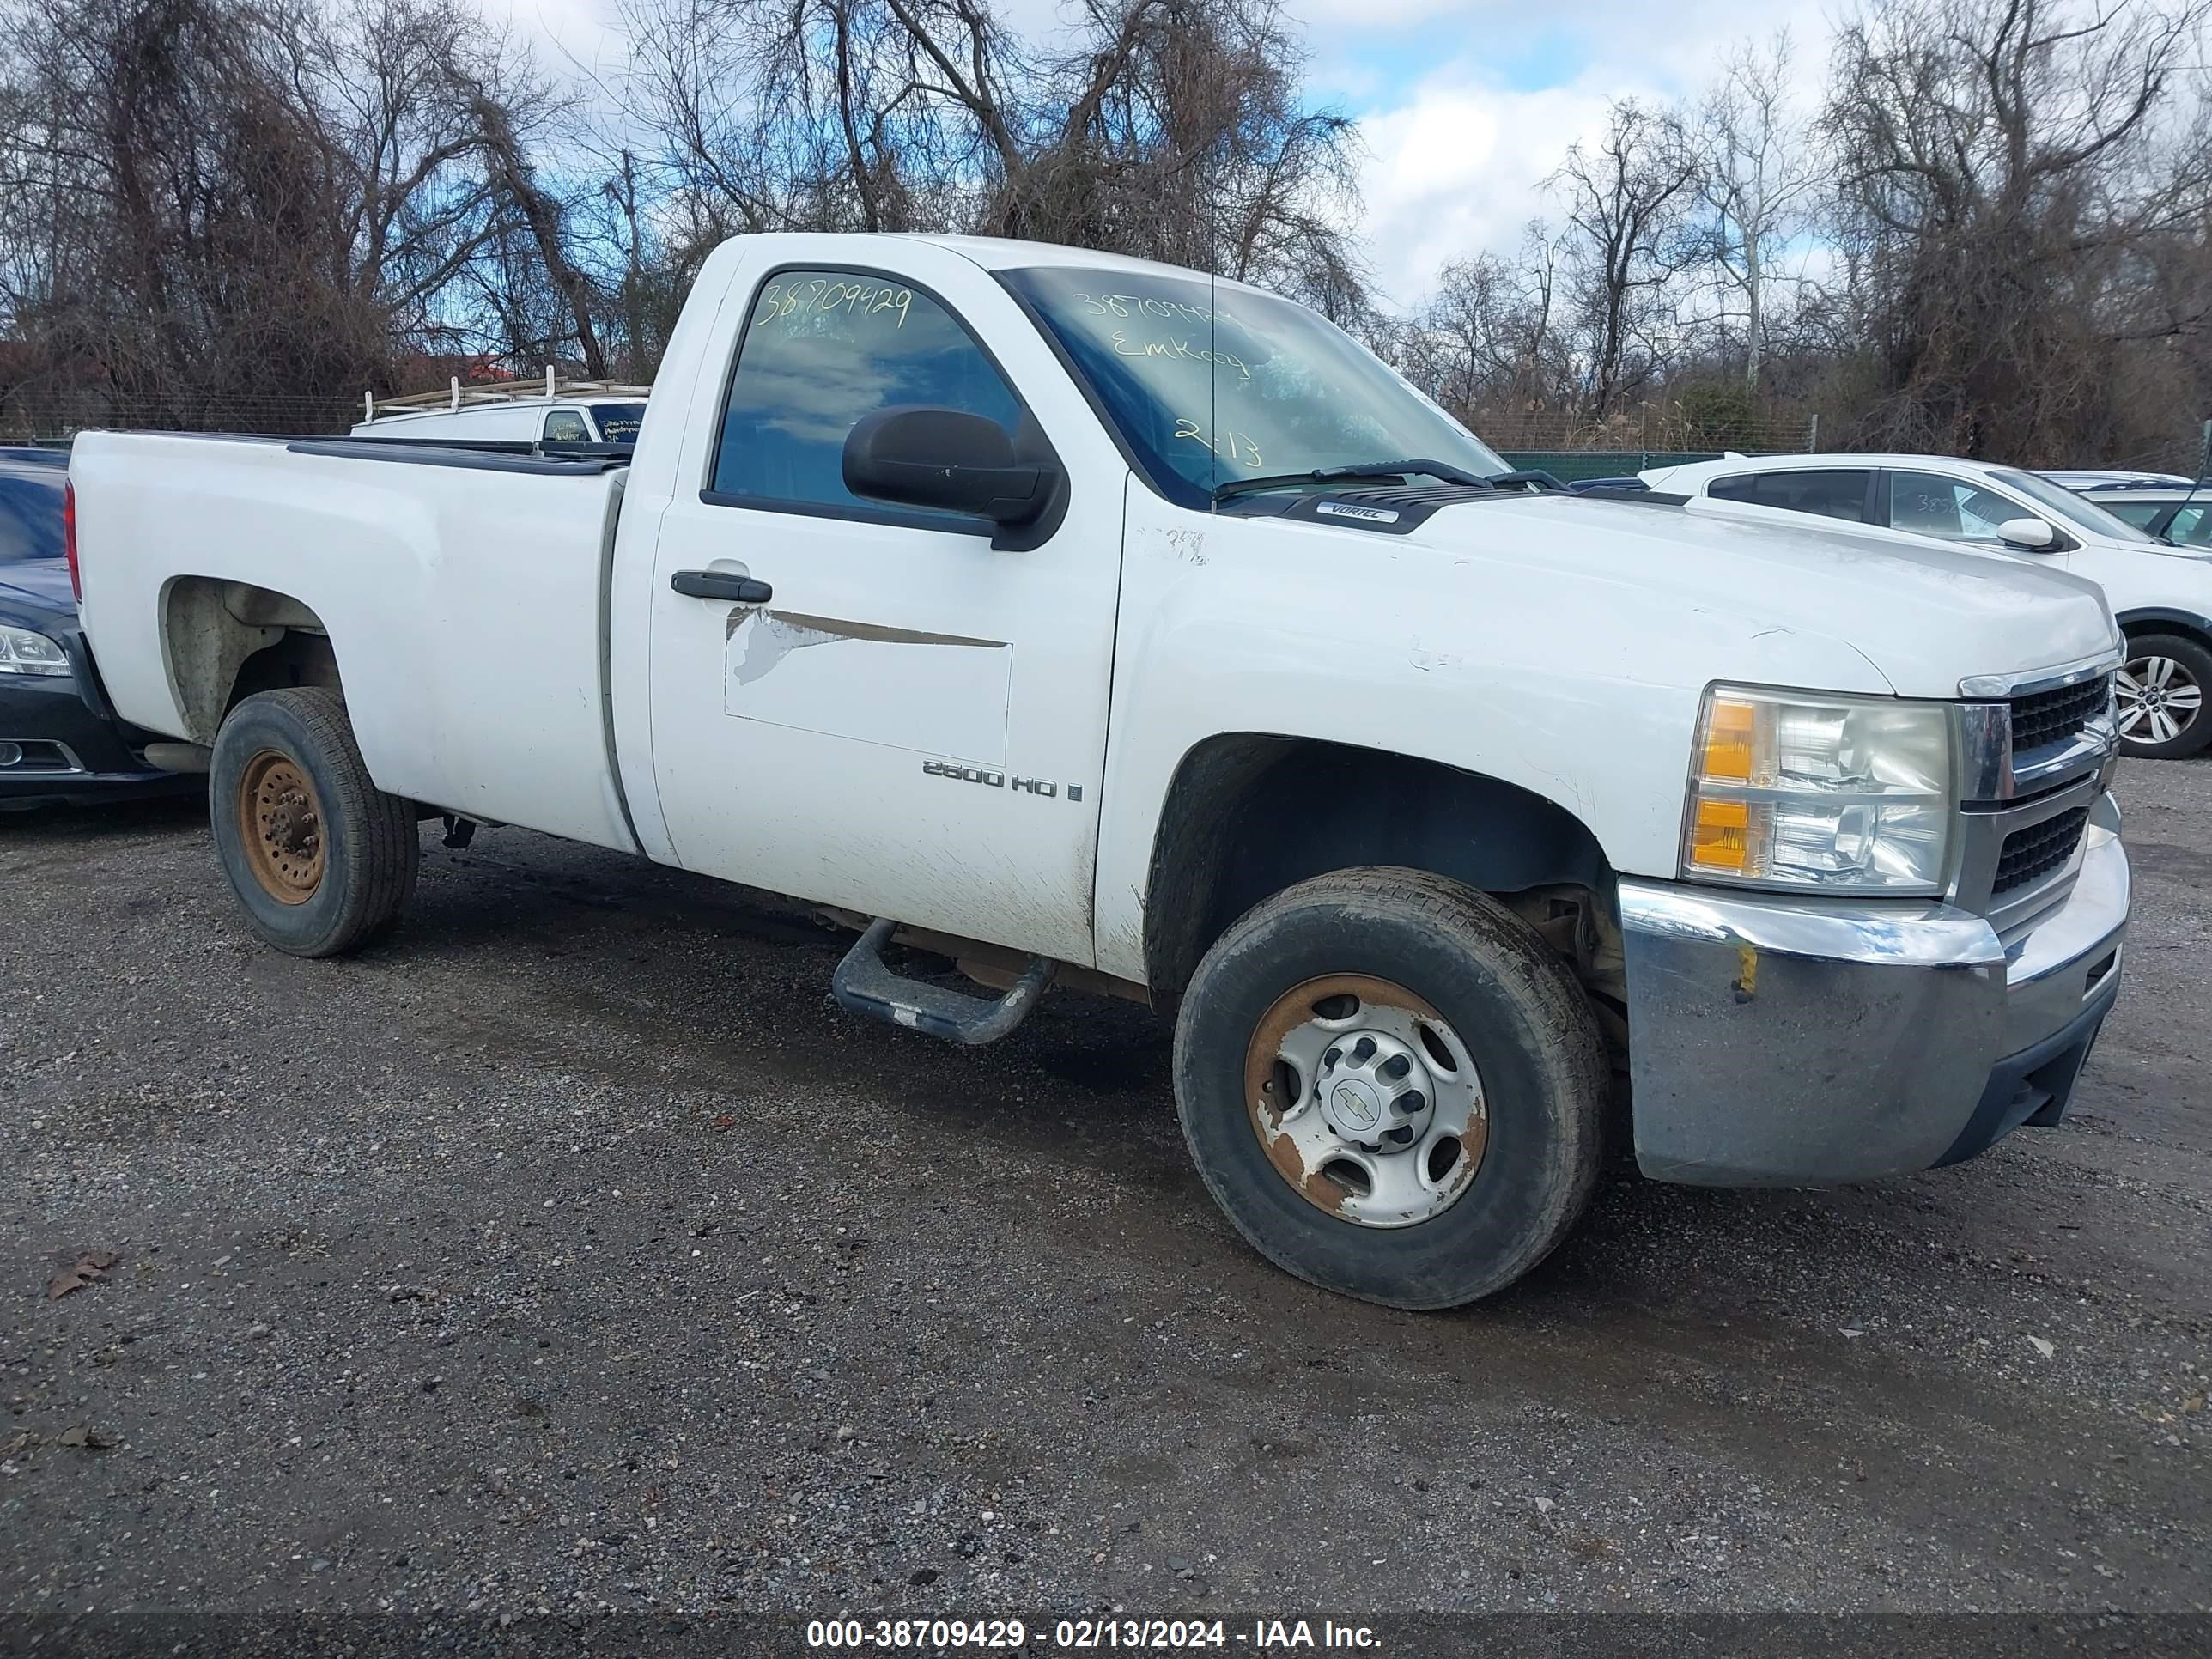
{"x": 1356, "y": 1107}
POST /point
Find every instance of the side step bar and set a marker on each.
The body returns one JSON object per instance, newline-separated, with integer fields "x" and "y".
{"x": 865, "y": 985}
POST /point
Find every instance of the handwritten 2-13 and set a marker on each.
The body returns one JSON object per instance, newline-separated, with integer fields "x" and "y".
{"x": 1234, "y": 447}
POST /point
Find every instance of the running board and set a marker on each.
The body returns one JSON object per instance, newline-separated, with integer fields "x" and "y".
{"x": 865, "y": 985}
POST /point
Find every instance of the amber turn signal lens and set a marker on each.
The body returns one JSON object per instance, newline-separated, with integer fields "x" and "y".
{"x": 1720, "y": 837}
{"x": 1731, "y": 735}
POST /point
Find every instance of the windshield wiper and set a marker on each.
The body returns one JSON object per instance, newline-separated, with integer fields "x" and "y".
{"x": 1443, "y": 470}
{"x": 1530, "y": 477}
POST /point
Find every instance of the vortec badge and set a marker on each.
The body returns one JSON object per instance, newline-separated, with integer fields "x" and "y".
{"x": 1346, "y": 510}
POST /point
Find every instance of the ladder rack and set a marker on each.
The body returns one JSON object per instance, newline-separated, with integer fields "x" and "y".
{"x": 457, "y": 396}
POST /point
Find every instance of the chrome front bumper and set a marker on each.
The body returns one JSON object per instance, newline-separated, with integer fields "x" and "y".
{"x": 1785, "y": 1042}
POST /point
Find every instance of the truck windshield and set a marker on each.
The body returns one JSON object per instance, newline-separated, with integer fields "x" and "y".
{"x": 1210, "y": 388}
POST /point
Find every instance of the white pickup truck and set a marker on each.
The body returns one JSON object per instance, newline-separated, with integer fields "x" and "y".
{"x": 1093, "y": 622}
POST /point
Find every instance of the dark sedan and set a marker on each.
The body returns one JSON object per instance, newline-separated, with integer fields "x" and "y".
{"x": 57, "y": 746}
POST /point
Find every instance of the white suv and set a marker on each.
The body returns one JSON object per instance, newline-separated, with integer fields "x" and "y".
{"x": 2161, "y": 594}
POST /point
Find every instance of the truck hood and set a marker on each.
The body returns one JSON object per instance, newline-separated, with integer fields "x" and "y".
{"x": 1923, "y": 616}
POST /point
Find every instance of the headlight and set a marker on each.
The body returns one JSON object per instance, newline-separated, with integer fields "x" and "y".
{"x": 22, "y": 651}
{"x": 1802, "y": 790}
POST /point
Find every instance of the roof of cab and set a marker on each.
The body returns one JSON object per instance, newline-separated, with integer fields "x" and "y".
{"x": 1006, "y": 253}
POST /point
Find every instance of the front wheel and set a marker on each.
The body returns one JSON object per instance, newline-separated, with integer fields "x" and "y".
{"x": 2160, "y": 690}
{"x": 322, "y": 860}
{"x": 1392, "y": 1087}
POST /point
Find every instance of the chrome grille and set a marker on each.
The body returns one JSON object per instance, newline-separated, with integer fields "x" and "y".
{"x": 2040, "y": 718}
{"x": 2031, "y": 853}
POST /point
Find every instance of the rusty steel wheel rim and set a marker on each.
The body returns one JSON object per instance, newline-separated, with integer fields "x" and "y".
{"x": 1366, "y": 1101}
{"x": 280, "y": 820}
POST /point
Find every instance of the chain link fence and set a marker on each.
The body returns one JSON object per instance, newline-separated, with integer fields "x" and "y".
{"x": 1575, "y": 465}
{"x": 28, "y": 416}
{"x": 2189, "y": 456}
{"x": 1665, "y": 428}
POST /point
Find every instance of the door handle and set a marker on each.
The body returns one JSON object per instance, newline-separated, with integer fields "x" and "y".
{"x": 721, "y": 585}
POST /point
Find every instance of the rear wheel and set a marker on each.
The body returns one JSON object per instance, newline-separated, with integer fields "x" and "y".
{"x": 2161, "y": 696}
{"x": 322, "y": 860}
{"x": 1392, "y": 1087}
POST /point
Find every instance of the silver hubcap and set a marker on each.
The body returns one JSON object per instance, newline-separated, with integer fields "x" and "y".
{"x": 2159, "y": 699}
{"x": 1366, "y": 1101}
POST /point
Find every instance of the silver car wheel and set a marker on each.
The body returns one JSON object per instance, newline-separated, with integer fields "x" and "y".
{"x": 1366, "y": 1101}
{"x": 2159, "y": 699}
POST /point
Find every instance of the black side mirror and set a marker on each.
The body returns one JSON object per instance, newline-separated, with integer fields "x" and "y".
{"x": 943, "y": 458}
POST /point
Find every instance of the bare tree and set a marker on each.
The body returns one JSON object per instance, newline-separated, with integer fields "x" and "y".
{"x": 516, "y": 187}
{"x": 830, "y": 114}
{"x": 1757, "y": 175}
{"x": 2008, "y": 164}
{"x": 1488, "y": 344}
{"x": 1624, "y": 195}
{"x": 1175, "y": 128}
{"x": 243, "y": 210}
{"x": 1179, "y": 131}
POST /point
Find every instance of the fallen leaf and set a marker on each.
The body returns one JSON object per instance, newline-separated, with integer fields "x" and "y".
{"x": 90, "y": 1264}
{"x": 2046, "y": 1349}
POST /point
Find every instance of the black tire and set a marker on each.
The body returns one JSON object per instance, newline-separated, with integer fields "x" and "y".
{"x": 1524, "y": 1020}
{"x": 2190, "y": 660}
{"x": 356, "y": 872}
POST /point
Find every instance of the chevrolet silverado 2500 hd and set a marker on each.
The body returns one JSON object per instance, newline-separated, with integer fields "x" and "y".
{"x": 1091, "y": 621}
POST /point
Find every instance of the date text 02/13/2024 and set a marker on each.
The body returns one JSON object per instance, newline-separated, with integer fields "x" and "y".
{"x": 1087, "y": 1634}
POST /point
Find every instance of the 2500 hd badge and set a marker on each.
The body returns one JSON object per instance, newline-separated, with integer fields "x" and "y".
{"x": 994, "y": 779}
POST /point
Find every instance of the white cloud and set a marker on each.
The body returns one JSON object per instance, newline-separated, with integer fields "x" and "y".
{"x": 1458, "y": 155}
{"x": 1458, "y": 168}
{"x": 568, "y": 37}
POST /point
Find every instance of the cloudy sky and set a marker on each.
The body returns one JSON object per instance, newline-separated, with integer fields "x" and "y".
{"x": 1466, "y": 105}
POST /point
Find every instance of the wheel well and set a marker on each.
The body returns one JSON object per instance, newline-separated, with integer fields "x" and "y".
{"x": 1249, "y": 815}
{"x": 2188, "y": 627}
{"x": 227, "y": 639}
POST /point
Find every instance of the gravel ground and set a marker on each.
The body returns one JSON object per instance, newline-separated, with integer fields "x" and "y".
{"x": 572, "y": 1251}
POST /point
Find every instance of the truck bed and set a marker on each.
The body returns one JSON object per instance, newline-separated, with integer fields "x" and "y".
{"x": 464, "y": 593}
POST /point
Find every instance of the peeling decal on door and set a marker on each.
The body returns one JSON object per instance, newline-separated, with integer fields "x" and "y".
{"x": 911, "y": 687}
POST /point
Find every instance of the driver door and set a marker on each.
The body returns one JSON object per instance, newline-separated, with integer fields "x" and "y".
{"x": 865, "y": 705}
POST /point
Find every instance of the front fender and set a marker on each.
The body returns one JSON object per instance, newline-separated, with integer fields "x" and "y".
{"x": 1580, "y": 690}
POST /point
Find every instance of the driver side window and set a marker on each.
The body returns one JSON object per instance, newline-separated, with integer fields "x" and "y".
{"x": 822, "y": 348}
